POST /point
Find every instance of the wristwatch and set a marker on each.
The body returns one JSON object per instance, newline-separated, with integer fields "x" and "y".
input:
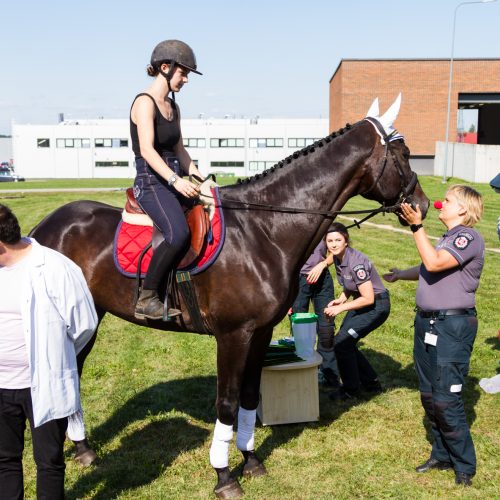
{"x": 415, "y": 227}
{"x": 172, "y": 179}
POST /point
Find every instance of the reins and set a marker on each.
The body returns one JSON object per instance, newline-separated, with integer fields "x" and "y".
{"x": 405, "y": 191}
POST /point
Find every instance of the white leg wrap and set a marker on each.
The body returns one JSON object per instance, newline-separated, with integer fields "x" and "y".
{"x": 76, "y": 427}
{"x": 219, "y": 451}
{"x": 246, "y": 429}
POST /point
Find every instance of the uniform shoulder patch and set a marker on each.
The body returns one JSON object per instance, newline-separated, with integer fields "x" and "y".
{"x": 360, "y": 271}
{"x": 463, "y": 240}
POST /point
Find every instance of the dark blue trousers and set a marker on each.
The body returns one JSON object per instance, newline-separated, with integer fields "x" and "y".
{"x": 163, "y": 204}
{"x": 355, "y": 369}
{"x": 441, "y": 371}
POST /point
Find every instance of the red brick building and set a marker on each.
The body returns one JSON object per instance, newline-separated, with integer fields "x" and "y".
{"x": 424, "y": 87}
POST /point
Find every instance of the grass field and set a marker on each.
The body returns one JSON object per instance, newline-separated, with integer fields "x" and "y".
{"x": 149, "y": 398}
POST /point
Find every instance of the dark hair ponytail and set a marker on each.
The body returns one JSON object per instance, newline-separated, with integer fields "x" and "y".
{"x": 151, "y": 71}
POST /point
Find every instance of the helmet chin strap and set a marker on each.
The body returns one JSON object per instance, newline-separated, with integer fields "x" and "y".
{"x": 168, "y": 76}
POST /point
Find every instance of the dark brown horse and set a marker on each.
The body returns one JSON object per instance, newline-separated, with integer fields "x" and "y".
{"x": 250, "y": 287}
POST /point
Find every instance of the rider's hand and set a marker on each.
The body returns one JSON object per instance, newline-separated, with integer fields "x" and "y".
{"x": 392, "y": 275}
{"x": 186, "y": 188}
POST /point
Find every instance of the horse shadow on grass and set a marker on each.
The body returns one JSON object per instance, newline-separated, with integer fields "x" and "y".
{"x": 146, "y": 452}
{"x": 143, "y": 454}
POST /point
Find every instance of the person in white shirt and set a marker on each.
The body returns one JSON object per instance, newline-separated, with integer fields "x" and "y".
{"x": 47, "y": 315}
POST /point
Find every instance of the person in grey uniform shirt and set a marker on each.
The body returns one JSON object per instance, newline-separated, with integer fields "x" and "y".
{"x": 368, "y": 310}
{"x": 446, "y": 324}
{"x": 316, "y": 286}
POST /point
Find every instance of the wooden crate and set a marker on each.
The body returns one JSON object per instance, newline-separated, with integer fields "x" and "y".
{"x": 289, "y": 393}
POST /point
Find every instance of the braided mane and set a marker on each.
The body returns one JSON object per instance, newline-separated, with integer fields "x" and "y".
{"x": 301, "y": 152}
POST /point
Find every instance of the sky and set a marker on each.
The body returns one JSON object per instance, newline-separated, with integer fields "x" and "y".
{"x": 270, "y": 59}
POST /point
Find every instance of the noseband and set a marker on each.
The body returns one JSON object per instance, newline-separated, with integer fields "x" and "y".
{"x": 405, "y": 190}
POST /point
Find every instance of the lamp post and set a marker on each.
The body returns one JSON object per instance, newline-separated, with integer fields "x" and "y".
{"x": 449, "y": 83}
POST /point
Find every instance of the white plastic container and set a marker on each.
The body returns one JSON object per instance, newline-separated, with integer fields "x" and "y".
{"x": 304, "y": 326}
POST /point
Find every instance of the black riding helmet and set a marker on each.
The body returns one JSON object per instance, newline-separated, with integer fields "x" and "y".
{"x": 174, "y": 52}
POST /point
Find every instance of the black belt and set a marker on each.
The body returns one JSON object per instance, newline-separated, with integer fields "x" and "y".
{"x": 446, "y": 312}
{"x": 383, "y": 295}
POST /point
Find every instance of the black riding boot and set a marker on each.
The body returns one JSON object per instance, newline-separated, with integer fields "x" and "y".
{"x": 149, "y": 304}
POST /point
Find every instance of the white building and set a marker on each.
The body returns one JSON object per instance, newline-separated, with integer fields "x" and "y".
{"x": 102, "y": 148}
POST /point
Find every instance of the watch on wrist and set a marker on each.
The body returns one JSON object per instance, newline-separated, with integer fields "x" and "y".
{"x": 415, "y": 227}
{"x": 172, "y": 179}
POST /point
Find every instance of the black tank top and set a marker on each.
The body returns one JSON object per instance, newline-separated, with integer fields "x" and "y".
{"x": 167, "y": 133}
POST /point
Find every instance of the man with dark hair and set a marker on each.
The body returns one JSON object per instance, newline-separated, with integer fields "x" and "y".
{"x": 46, "y": 317}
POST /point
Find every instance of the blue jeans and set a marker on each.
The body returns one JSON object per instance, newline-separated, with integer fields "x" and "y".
{"x": 319, "y": 293}
{"x": 162, "y": 202}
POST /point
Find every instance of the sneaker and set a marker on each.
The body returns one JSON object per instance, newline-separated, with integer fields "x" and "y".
{"x": 342, "y": 395}
{"x": 374, "y": 387}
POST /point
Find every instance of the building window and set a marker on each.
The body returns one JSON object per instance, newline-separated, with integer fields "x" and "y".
{"x": 227, "y": 143}
{"x": 266, "y": 143}
{"x": 43, "y": 143}
{"x": 300, "y": 143}
{"x": 224, "y": 164}
{"x": 259, "y": 166}
{"x": 72, "y": 143}
{"x": 111, "y": 143}
{"x": 111, "y": 163}
{"x": 194, "y": 143}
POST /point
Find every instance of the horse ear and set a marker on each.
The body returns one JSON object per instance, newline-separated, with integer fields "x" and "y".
{"x": 374, "y": 111}
{"x": 391, "y": 114}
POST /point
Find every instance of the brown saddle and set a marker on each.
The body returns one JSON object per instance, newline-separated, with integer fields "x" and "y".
{"x": 198, "y": 221}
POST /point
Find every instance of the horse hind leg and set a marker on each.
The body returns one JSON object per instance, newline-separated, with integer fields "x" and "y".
{"x": 84, "y": 454}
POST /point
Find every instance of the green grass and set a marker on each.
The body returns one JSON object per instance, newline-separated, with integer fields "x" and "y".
{"x": 66, "y": 183}
{"x": 149, "y": 399}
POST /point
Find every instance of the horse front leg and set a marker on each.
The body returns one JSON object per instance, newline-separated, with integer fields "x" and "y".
{"x": 232, "y": 353}
{"x": 249, "y": 400}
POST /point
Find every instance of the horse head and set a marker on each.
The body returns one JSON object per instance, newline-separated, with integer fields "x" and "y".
{"x": 387, "y": 176}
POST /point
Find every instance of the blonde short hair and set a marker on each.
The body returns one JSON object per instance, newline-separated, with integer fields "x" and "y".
{"x": 471, "y": 200}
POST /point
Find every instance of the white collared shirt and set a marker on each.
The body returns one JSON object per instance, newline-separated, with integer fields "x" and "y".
{"x": 59, "y": 318}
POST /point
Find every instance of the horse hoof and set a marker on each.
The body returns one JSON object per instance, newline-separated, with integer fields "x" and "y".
{"x": 85, "y": 458}
{"x": 231, "y": 490}
{"x": 256, "y": 470}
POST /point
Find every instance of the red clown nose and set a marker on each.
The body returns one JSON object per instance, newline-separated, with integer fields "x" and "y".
{"x": 438, "y": 204}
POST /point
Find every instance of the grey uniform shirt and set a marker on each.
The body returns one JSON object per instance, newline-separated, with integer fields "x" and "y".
{"x": 454, "y": 288}
{"x": 319, "y": 254}
{"x": 356, "y": 269}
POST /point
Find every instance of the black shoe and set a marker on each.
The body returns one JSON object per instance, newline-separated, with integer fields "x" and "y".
{"x": 329, "y": 378}
{"x": 342, "y": 395}
{"x": 432, "y": 463}
{"x": 463, "y": 478}
{"x": 374, "y": 387}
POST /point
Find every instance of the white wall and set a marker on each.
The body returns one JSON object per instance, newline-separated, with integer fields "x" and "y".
{"x": 53, "y": 162}
{"x": 471, "y": 162}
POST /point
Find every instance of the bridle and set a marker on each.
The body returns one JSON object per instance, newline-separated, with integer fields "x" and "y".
{"x": 387, "y": 138}
{"x": 404, "y": 194}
